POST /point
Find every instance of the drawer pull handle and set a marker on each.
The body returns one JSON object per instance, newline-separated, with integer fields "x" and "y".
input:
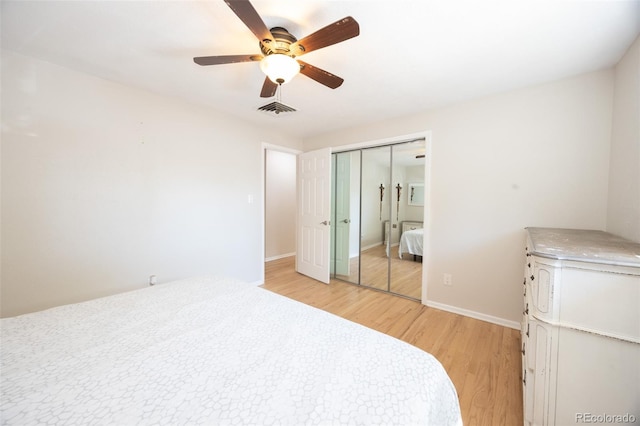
{"x": 529, "y": 265}
{"x": 523, "y": 349}
{"x": 528, "y": 329}
{"x": 524, "y": 283}
{"x": 526, "y": 310}
{"x": 524, "y": 380}
{"x": 532, "y": 278}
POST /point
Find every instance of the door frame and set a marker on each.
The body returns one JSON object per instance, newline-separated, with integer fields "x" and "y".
{"x": 263, "y": 177}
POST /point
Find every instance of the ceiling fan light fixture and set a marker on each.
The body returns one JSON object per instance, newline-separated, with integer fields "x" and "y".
{"x": 279, "y": 68}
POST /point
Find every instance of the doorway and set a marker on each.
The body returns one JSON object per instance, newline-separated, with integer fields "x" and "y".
{"x": 279, "y": 197}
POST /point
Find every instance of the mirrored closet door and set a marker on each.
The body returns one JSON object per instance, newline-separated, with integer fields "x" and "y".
{"x": 377, "y": 217}
{"x": 376, "y": 229}
{"x": 345, "y": 216}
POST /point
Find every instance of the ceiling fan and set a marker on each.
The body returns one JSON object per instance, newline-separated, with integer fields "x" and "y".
{"x": 280, "y": 48}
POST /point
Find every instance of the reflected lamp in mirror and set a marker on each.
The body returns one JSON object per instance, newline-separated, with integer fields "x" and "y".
{"x": 416, "y": 194}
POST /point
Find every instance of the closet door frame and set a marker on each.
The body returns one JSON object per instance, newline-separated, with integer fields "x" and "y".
{"x": 426, "y": 136}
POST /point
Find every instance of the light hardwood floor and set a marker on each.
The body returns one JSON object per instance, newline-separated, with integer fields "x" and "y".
{"x": 482, "y": 359}
{"x": 406, "y": 273}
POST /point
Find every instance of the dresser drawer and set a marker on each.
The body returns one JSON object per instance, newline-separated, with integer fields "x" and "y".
{"x": 527, "y": 397}
{"x": 601, "y": 302}
{"x": 542, "y": 285}
{"x": 536, "y": 361}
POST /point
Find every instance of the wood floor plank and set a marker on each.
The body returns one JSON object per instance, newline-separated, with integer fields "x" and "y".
{"x": 482, "y": 359}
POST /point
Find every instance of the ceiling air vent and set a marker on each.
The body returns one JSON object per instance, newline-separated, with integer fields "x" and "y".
{"x": 276, "y": 107}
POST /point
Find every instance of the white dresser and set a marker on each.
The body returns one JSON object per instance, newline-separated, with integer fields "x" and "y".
{"x": 580, "y": 328}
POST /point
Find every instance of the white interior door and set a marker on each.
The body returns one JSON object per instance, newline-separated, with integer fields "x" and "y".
{"x": 314, "y": 214}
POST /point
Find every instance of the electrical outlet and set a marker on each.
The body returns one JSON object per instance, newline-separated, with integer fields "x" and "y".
{"x": 447, "y": 280}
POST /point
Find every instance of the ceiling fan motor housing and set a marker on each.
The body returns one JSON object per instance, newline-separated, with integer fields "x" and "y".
{"x": 281, "y": 44}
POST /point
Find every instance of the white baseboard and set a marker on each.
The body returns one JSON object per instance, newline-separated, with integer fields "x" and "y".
{"x": 280, "y": 256}
{"x": 477, "y": 315}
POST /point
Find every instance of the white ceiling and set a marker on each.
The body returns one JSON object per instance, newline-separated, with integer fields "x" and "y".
{"x": 411, "y": 55}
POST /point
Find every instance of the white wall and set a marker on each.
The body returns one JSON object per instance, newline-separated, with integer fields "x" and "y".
{"x": 280, "y": 204}
{"x": 104, "y": 185}
{"x": 623, "y": 216}
{"x": 532, "y": 157}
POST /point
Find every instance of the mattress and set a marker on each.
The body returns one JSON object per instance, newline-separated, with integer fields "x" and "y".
{"x": 411, "y": 242}
{"x": 212, "y": 351}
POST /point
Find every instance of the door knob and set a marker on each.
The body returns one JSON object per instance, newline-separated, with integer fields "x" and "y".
{"x": 325, "y": 222}
{"x": 346, "y": 221}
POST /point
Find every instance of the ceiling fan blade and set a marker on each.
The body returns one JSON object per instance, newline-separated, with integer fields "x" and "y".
{"x": 337, "y": 32}
{"x": 228, "y": 59}
{"x": 248, "y": 15}
{"x": 269, "y": 88}
{"x": 320, "y": 75}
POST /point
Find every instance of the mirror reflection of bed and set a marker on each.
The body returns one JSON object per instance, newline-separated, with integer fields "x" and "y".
{"x": 411, "y": 241}
{"x": 378, "y": 216}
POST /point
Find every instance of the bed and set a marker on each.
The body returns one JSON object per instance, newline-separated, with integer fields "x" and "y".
{"x": 411, "y": 242}
{"x": 212, "y": 351}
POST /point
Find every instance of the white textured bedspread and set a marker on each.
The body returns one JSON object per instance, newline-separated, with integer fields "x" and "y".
{"x": 411, "y": 242}
{"x": 212, "y": 351}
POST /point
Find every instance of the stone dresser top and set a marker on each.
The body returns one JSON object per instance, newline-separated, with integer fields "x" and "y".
{"x": 584, "y": 246}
